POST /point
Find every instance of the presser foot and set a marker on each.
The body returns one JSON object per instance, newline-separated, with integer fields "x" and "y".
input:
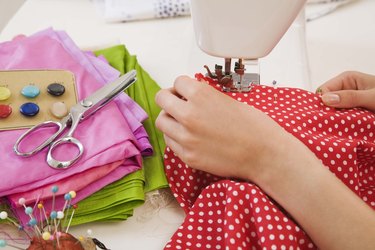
{"x": 243, "y": 83}
{"x": 237, "y": 81}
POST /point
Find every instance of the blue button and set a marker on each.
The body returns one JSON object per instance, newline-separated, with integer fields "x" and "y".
{"x": 29, "y": 109}
{"x": 30, "y": 91}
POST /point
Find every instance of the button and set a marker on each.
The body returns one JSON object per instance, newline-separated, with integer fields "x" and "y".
{"x": 56, "y": 89}
{"x": 30, "y": 91}
{"x": 5, "y": 110}
{"x": 29, "y": 109}
{"x": 4, "y": 93}
{"x": 59, "y": 109}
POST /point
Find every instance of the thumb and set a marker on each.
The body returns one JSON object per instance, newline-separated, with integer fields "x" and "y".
{"x": 350, "y": 99}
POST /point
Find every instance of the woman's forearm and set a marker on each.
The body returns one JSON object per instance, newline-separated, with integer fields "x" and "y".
{"x": 331, "y": 214}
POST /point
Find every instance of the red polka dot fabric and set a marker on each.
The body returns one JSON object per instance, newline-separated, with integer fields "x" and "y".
{"x": 230, "y": 214}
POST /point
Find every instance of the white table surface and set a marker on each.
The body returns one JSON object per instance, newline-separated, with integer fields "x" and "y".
{"x": 343, "y": 40}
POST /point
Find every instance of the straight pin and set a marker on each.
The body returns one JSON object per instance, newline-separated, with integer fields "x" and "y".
{"x": 71, "y": 217}
{"x": 54, "y": 189}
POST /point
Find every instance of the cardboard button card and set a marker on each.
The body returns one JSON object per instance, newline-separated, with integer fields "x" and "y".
{"x": 30, "y": 97}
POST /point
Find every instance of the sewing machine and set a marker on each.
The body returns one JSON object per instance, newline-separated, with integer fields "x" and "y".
{"x": 241, "y": 29}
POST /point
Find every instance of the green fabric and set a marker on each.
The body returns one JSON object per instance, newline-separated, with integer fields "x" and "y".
{"x": 112, "y": 203}
{"x": 117, "y": 201}
{"x": 143, "y": 92}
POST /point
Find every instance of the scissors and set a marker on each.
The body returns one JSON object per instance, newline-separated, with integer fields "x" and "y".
{"x": 78, "y": 113}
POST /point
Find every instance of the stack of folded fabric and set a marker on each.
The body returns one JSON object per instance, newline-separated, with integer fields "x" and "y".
{"x": 116, "y": 138}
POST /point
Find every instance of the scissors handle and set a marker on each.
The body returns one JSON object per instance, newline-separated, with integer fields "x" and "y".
{"x": 64, "y": 164}
{"x": 61, "y": 126}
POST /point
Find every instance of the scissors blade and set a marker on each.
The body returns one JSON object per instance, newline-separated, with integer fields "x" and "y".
{"x": 106, "y": 93}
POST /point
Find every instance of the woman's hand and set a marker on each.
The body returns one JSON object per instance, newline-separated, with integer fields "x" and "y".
{"x": 214, "y": 133}
{"x": 349, "y": 90}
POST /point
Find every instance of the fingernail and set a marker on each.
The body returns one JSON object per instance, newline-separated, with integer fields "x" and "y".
{"x": 331, "y": 98}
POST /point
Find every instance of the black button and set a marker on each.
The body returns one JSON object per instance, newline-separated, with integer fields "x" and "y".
{"x": 56, "y": 89}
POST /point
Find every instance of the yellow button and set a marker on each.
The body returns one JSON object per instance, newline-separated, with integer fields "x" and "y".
{"x": 4, "y": 93}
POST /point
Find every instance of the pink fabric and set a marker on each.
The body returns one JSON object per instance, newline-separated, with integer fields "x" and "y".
{"x": 65, "y": 185}
{"x": 232, "y": 214}
{"x": 113, "y": 140}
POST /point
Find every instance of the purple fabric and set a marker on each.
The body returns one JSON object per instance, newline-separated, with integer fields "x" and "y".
{"x": 132, "y": 112}
{"x": 113, "y": 140}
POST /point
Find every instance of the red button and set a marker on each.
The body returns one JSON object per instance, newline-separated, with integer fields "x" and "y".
{"x": 5, "y": 110}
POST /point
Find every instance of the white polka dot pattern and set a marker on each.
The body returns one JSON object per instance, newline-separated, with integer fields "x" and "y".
{"x": 228, "y": 214}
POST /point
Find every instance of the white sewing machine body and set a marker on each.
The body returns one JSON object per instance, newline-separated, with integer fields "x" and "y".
{"x": 247, "y": 29}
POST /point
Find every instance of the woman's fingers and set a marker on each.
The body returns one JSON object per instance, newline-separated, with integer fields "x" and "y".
{"x": 344, "y": 81}
{"x": 170, "y": 102}
{"x": 173, "y": 100}
{"x": 349, "y": 90}
{"x": 169, "y": 126}
{"x": 174, "y": 146}
{"x": 350, "y": 99}
{"x": 349, "y": 80}
{"x": 187, "y": 87}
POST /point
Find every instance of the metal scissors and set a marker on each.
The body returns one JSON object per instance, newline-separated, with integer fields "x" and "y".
{"x": 77, "y": 114}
